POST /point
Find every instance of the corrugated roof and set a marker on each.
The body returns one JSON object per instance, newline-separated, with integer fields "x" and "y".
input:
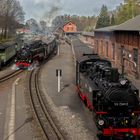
{"x": 130, "y": 25}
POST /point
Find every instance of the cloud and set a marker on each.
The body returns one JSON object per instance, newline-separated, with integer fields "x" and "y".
{"x": 38, "y": 9}
{"x": 88, "y": 7}
{"x": 41, "y": 9}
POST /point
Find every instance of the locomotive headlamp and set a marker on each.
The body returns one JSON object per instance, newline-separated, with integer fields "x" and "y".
{"x": 15, "y": 60}
{"x": 101, "y": 122}
{"x": 29, "y": 61}
{"x": 123, "y": 82}
{"x": 133, "y": 114}
{"x": 126, "y": 121}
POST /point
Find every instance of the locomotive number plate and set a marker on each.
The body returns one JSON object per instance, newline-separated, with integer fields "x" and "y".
{"x": 121, "y": 104}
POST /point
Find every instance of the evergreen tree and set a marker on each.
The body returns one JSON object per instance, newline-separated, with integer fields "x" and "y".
{"x": 103, "y": 19}
{"x": 128, "y": 10}
{"x": 112, "y": 19}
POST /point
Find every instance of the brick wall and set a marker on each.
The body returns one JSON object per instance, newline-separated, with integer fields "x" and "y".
{"x": 113, "y": 45}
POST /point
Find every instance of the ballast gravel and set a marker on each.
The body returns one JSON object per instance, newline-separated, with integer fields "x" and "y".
{"x": 70, "y": 124}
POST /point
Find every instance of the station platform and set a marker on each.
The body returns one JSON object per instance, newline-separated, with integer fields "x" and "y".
{"x": 73, "y": 118}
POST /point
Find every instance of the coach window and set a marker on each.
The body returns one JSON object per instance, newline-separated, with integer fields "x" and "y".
{"x": 135, "y": 55}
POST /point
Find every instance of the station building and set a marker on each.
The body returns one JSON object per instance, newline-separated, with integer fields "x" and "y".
{"x": 120, "y": 44}
{"x": 66, "y": 28}
{"x": 88, "y": 38}
{"x": 69, "y": 27}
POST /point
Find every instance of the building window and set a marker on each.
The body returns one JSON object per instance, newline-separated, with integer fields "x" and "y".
{"x": 135, "y": 55}
{"x": 101, "y": 46}
{"x": 113, "y": 51}
{"x": 107, "y": 49}
{"x": 97, "y": 49}
{"x": 122, "y": 54}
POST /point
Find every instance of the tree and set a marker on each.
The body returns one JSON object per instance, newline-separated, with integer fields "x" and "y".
{"x": 11, "y": 15}
{"x": 112, "y": 19}
{"x": 128, "y": 10}
{"x": 103, "y": 19}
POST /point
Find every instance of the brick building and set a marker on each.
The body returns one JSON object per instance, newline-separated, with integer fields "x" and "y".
{"x": 127, "y": 37}
{"x": 104, "y": 42}
{"x": 88, "y": 37}
{"x": 69, "y": 27}
{"x": 120, "y": 44}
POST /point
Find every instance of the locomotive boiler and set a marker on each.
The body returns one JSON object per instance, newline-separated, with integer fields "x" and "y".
{"x": 35, "y": 51}
{"x": 113, "y": 99}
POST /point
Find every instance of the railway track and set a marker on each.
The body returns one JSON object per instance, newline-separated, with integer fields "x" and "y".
{"x": 10, "y": 75}
{"x": 44, "y": 118}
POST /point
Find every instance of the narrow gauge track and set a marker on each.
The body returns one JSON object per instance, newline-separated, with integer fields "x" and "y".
{"x": 40, "y": 108}
{"x": 10, "y": 75}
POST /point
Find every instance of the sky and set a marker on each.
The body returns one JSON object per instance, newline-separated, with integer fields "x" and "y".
{"x": 42, "y": 9}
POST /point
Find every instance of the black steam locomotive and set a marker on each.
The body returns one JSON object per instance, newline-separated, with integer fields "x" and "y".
{"x": 113, "y": 99}
{"x": 33, "y": 51}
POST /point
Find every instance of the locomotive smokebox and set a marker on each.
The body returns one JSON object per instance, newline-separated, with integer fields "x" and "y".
{"x": 114, "y": 77}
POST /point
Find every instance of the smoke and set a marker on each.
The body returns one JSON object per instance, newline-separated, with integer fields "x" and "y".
{"x": 51, "y": 14}
{"x": 42, "y": 9}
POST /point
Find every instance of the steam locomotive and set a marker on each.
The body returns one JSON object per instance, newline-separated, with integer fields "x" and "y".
{"x": 33, "y": 51}
{"x": 113, "y": 99}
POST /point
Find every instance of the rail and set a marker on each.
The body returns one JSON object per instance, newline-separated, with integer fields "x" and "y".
{"x": 47, "y": 124}
{"x": 10, "y": 75}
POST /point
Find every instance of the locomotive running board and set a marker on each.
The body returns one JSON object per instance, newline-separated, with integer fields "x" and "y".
{"x": 115, "y": 131}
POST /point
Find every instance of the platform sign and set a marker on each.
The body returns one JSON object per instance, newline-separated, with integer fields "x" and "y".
{"x": 59, "y": 74}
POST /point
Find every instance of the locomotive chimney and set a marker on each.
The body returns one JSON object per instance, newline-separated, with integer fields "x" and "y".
{"x": 114, "y": 77}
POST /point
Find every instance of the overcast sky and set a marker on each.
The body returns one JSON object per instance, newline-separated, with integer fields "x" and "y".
{"x": 39, "y": 9}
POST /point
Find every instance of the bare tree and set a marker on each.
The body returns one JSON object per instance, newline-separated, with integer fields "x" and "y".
{"x": 11, "y": 14}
